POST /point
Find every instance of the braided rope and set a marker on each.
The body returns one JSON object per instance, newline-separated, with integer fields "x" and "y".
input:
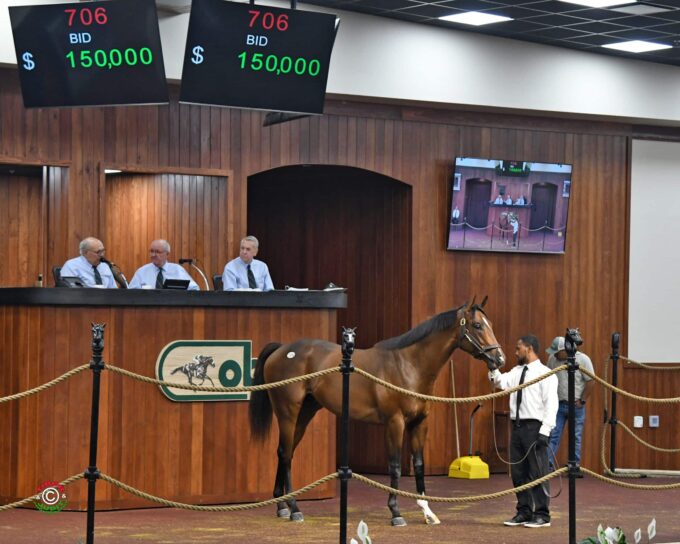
{"x": 647, "y": 365}
{"x": 46, "y": 385}
{"x": 641, "y": 441}
{"x": 244, "y": 388}
{"x": 33, "y": 498}
{"x": 641, "y": 487}
{"x": 449, "y": 400}
{"x": 670, "y": 400}
{"x": 603, "y": 460}
{"x": 474, "y": 498}
{"x": 232, "y": 508}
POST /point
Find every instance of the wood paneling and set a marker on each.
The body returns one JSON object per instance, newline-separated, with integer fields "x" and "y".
{"x": 543, "y": 294}
{"x": 192, "y": 452}
{"x": 21, "y": 227}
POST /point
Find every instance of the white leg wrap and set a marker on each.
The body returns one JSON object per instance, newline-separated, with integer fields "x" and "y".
{"x": 430, "y": 517}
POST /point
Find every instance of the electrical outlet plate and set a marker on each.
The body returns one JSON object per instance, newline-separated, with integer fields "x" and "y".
{"x": 638, "y": 422}
{"x": 653, "y": 421}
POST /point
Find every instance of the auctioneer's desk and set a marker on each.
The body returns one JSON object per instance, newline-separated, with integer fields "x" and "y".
{"x": 196, "y": 452}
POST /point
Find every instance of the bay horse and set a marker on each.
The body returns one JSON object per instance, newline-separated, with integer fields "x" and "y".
{"x": 411, "y": 361}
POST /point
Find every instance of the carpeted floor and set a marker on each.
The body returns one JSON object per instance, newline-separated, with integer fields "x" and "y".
{"x": 476, "y": 522}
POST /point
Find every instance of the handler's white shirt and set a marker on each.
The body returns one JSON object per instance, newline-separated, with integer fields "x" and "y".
{"x": 539, "y": 401}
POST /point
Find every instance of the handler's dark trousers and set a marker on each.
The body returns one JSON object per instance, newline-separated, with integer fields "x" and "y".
{"x": 536, "y": 501}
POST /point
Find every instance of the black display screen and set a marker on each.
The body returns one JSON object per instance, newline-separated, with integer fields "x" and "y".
{"x": 254, "y": 56}
{"x": 89, "y": 53}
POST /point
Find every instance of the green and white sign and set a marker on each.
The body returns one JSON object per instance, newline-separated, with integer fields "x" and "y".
{"x": 212, "y": 363}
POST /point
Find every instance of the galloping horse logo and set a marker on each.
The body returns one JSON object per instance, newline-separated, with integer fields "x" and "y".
{"x": 197, "y": 369}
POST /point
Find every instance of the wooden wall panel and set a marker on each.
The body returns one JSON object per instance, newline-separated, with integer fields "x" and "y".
{"x": 21, "y": 227}
{"x": 416, "y": 145}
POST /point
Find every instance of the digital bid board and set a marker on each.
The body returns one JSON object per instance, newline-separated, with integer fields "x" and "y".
{"x": 261, "y": 57}
{"x": 89, "y": 53}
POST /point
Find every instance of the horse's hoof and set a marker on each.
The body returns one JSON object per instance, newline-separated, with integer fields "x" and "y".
{"x": 398, "y": 522}
{"x": 283, "y": 513}
{"x": 297, "y": 516}
{"x": 432, "y": 519}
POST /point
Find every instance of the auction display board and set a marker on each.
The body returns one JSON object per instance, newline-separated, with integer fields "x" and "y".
{"x": 261, "y": 57}
{"x": 89, "y": 53}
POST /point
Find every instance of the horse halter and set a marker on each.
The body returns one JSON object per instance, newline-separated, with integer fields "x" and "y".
{"x": 480, "y": 351}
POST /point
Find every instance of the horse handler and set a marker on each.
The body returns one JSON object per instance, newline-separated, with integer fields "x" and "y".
{"x": 533, "y": 411}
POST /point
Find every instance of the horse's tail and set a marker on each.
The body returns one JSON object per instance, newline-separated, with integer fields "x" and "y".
{"x": 260, "y": 406}
{"x": 178, "y": 369}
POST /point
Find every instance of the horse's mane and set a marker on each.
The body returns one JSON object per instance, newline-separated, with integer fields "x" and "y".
{"x": 437, "y": 323}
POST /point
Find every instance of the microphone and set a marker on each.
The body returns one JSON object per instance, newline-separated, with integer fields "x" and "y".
{"x": 182, "y": 261}
{"x": 121, "y": 280}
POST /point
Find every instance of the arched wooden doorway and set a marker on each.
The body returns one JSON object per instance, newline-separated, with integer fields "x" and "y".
{"x": 318, "y": 224}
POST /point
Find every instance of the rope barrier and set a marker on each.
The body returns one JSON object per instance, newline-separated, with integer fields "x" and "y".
{"x": 670, "y": 400}
{"x": 449, "y": 400}
{"x": 212, "y": 389}
{"x": 475, "y": 498}
{"x": 647, "y": 365}
{"x": 230, "y": 508}
{"x": 46, "y": 385}
{"x": 641, "y": 441}
{"x": 641, "y": 487}
{"x": 33, "y": 498}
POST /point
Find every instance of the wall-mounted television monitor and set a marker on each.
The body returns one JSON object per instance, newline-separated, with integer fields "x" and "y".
{"x": 508, "y": 206}
{"x": 256, "y": 56}
{"x": 89, "y": 53}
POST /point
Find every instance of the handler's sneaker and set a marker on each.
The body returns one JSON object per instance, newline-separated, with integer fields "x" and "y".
{"x": 537, "y": 522}
{"x": 519, "y": 519}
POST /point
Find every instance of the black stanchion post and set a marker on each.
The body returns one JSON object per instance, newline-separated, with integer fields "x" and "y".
{"x": 92, "y": 473}
{"x": 348, "y": 341}
{"x": 572, "y": 339}
{"x": 616, "y": 338}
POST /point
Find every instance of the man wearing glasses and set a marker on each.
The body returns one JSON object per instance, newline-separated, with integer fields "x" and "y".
{"x": 153, "y": 274}
{"x": 89, "y": 267}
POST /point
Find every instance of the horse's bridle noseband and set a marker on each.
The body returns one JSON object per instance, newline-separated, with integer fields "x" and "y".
{"x": 480, "y": 352}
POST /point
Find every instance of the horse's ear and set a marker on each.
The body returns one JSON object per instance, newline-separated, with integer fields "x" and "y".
{"x": 484, "y": 301}
{"x": 473, "y": 301}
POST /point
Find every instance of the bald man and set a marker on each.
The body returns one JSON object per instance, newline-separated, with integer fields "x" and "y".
{"x": 89, "y": 267}
{"x": 153, "y": 274}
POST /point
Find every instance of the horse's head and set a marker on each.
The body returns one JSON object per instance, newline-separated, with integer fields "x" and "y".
{"x": 349, "y": 336}
{"x": 572, "y": 339}
{"x": 477, "y": 337}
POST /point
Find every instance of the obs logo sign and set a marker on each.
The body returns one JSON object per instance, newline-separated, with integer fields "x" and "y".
{"x": 212, "y": 363}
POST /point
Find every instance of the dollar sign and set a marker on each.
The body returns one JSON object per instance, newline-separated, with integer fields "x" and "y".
{"x": 197, "y": 58}
{"x": 28, "y": 61}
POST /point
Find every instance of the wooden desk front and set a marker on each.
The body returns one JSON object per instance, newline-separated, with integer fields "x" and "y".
{"x": 197, "y": 452}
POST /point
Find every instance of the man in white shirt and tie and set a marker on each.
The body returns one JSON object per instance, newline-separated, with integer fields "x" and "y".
{"x": 533, "y": 411}
{"x": 245, "y": 271}
{"x": 153, "y": 274}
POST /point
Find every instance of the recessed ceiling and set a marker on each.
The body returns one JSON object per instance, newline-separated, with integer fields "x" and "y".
{"x": 548, "y": 22}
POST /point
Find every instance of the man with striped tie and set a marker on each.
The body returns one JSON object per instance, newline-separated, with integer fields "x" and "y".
{"x": 245, "y": 271}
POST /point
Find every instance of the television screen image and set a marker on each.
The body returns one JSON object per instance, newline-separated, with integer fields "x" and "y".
{"x": 508, "y": 206}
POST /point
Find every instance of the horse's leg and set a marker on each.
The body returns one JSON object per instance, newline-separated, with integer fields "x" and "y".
{"x": 284, "y": 454}
{"x": 418, "y": 436}
{"x": 395, "y": 437}
{"x": 287, "y": 406}
{"x": 309, "y": 408}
